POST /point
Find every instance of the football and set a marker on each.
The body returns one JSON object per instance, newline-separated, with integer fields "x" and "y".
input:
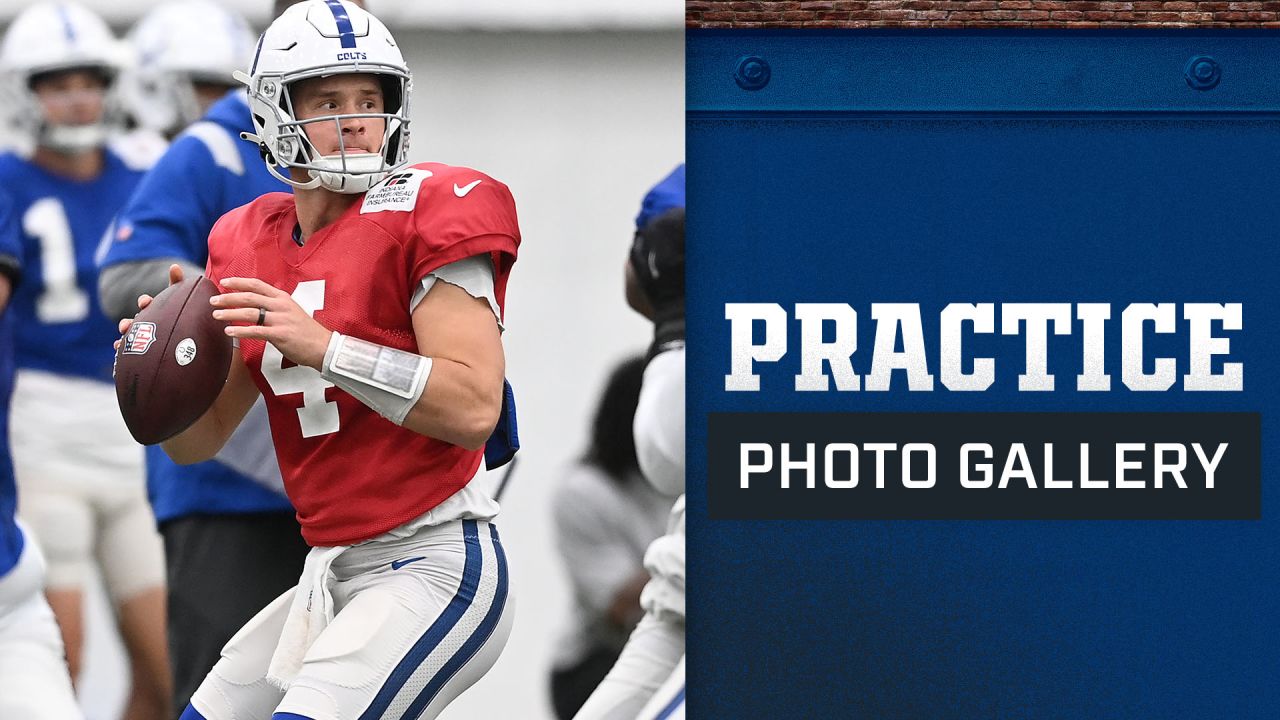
{"x": 172, "y": 363}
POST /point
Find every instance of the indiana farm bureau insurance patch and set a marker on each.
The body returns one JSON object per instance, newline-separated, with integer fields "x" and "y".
{"x": 397, "y": 193}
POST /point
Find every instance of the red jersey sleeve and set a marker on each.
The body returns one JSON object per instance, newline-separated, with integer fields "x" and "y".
{"x": 460, "y": 213}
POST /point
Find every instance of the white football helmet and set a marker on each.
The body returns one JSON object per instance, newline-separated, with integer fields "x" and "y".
{"x": 51, "y": 37}
{"x": 321, "y": 38}
{"x": 175, "y": 46}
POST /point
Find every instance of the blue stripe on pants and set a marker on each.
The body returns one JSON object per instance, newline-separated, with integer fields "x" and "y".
{"x": 676, "y": 702}
{"x": 439, "y": 629}
{"x": 191, "y": 714}
{"x": 473, "y": 643}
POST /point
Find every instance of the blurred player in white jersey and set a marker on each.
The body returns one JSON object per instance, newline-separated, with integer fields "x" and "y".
{"x": 79, "y": 471}
{"x": 647, "y": 682}
{"x": 368, "y": 308}
{"x": 34, "y": 684}
{"x": 184, "y": 54}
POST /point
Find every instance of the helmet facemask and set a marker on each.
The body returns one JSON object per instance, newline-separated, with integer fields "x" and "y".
{"x": 348, "y": 171}
{"x": 69, "y": 138}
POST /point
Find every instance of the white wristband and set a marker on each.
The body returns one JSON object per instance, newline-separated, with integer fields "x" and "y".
{"x": 389, "y": 381}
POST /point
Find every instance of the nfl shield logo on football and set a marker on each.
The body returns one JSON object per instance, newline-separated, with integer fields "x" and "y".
{"x": 140, "y": 337}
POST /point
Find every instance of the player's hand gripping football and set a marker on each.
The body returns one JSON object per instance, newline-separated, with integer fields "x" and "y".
{"x": 283, "y": 322}
{"x": 175, "y": 277}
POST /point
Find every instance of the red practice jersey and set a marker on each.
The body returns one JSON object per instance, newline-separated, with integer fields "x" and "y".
{"x": 351, "y": 474}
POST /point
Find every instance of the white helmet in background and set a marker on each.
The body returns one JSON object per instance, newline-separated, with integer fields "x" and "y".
{"x": 321, "y": 38}
{"x": 51, "y": 37}
{"x": 176, "y": 46}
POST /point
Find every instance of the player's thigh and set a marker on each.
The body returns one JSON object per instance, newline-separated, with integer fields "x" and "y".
{"x": 453, "y": 682}
{"x": 129, "y": 548}
{"x": 67, "y": 434}
{"x": 63, "y": 525}
{"x": 411, "y": 639}
{"x": 34, "y": 683}
{"x": 652, "y": 652}
{"x": 237, "y": 687}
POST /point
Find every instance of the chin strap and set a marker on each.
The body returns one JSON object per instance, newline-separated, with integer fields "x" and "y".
{"x": 346, "y": 184}
{"x": 269, "y": 159}
{"x": 362, "y": 172}
{"x": 73, "y": 138}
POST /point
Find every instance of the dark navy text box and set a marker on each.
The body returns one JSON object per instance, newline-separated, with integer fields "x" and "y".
{"x": 1038, "y": 484}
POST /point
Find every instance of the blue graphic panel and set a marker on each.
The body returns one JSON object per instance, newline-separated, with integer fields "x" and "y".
{"x": 1001, "y": 167}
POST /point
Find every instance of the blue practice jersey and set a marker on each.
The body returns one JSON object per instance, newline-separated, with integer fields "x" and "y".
{"x": 60, "y": 223}
{"x": 10, "y": 264}
{"x": 206, "y": 172}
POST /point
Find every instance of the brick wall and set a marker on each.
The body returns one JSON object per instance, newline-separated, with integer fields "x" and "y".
{"x": 978, "y": 13}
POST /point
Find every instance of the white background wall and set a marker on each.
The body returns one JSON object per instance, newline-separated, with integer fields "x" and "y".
{"x": 580, "y": 125}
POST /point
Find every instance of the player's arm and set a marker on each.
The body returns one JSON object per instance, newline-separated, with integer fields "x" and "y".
{"x": 10, "y": 253}
{"x": 166, "y": 221}
{"x": 9, "y": 274}
{"x": 207, "y": 435}
{"x": 120, "y": 285}
{"x": 463, "y": 395}
{"x": 451, "y": 389}
{"x": 659, "y": 423}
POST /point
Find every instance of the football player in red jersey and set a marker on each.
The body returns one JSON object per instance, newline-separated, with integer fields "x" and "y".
{"x": 367, "y": 308}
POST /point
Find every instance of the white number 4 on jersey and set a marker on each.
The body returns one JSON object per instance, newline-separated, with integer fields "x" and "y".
{"x": 317, "y": 416}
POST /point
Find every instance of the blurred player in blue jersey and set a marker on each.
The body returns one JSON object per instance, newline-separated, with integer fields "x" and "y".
{"x": 647, "y": 682}
{"x": 34, "y": 684}
{"x": 217, "y": 517}
{"x": 79, "y": 470}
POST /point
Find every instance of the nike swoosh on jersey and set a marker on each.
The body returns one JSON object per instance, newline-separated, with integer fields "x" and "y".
{"x": 462, "y": 191}
{"x": 397, "y": 564}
